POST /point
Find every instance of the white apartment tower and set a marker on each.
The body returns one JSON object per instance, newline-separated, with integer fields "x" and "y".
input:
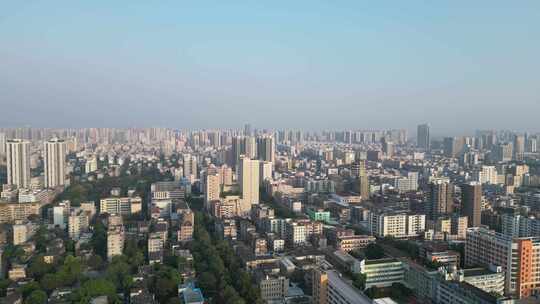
{"x": 18, "y": 163}
{"x": 55, "y": 151}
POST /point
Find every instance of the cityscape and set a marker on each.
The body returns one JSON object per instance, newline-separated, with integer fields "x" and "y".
{"x": 250, "y": 215}
{"x": 269, "y": 152}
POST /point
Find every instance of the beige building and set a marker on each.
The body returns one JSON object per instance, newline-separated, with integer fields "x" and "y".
{"x": 248, "y": 178}
{"x": 10, "y": 212}
{"x": 22, "y": 232}
{"x": 121, "y": 205}
{"x": 265, "y": 171}
{"x": 78, "y": 221}
{"x": 212, "y": 189}
{"x": 353, "y": 242}
{"x": 115, "y": 241}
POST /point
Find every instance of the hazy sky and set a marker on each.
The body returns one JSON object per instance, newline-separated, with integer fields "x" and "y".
{"x": 458, "y": 65}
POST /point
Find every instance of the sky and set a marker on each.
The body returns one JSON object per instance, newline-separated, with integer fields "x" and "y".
{"x": 458, "y": 65}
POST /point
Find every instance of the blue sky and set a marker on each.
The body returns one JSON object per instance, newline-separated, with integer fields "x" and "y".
{"x": 459, "y": 65}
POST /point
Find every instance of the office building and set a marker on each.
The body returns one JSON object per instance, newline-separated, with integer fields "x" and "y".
{"x": 382, "y": 272}
{"x": 54, "y": 157}
{"x": 18, "y": 163}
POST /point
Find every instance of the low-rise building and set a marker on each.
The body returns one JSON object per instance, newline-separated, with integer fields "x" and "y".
{"x": 353, "y": 242}
{"x": 382, "y": 272}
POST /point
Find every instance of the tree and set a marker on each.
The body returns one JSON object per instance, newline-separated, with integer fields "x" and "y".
{"x": 36, "y": 297}
{"x": 95, "y": 262}
{"x": 38, "y": 267}
{"x": 360, "y": 281}
{"x": 3, "y": 286}
{"x": 374, "y": 251}
{"x": 50, "y": 282}
{"x": 99, "y": 240}
{"x": 28, "y": 288}
{"x": 118, "y": 272}
{"x": 70, "y": 272}
{"x": 373, "y": 292}
{"x": 231, "y": 296}
{"x": 99, "y": 287}
{"x": 208, "y": 282}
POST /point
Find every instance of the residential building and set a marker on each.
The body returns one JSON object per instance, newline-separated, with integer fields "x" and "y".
{"x": 248, "y": 179}
{"x": 54, "y": 157}
{"x": 121, "y": 205}
{"x": 471, "y": 203}
{"x": 115, "y": 241}
{"x": 18, "y": 162}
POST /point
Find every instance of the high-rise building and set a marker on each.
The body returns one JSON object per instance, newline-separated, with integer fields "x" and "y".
{"x": 453, "y": 146}
{"x": 266, "y": 149}
{"x": 115, "y": 241}
{"x": 265, "y": 171}
{"x": 422, "y": 137}
{"x": 248, "y": 179}
{"x": 91, "y": 164}
{"x": 532, "y": 144}
{"x": 61, "y": 213}
{"x": 471, "y": 203}
{"x": 519, "y": 146}
{"x": 18, "y": 163}
{"x": 251, "y": 147}
{"x": 212, "y": 189}
{"x": 363, "y": 180}
{"x": 387, "y": 147}
{"x": 247, "y": 130}
{"x": 2, "y": 144}
{"x": 440, "y": 199}
{"x": 78, "y": 222}
{"x": 189, "y": 166}
{"x": 238, "y": 149}
{"x": 503, "y": 152}
{"x": 55, "y": 151}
